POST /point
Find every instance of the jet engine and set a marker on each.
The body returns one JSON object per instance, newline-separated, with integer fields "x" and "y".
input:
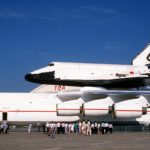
{"x": 129, "y": 109}
{"x": 97, "y": 107}
{"x": 70, "y": 108}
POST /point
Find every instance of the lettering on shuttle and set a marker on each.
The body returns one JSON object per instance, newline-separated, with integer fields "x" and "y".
{"x": 120, "y": 75}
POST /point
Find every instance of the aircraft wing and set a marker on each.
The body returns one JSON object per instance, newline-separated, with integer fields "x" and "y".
{"x": 118, "y": 95}
{"x": 96, "y": 93}
{"x": 66, "y": 96}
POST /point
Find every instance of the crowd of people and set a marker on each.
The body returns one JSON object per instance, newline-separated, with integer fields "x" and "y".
{"x": 52, "y": 128}
{"x": 85, "y": 128}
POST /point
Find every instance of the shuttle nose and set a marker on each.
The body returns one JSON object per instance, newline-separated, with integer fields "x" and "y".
{"x": 28, "y": 77}
{"x": 40, "y": 77}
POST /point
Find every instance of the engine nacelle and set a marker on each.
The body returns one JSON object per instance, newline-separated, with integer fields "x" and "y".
{"x": 98, "y": 107}
{"x": 68, "y": 108}
{"x": 145, "y": 119}
{"x": 128, "y": 111}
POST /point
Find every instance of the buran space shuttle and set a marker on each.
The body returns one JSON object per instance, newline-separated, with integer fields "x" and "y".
{"x": 110, "y": 76}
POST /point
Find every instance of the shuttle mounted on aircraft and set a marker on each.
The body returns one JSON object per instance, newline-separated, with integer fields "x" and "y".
{"x": 96, "y": 98}
{"x": 109, "y": 76}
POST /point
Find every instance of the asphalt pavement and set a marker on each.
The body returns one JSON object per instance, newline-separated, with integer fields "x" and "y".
{"x": 40, "y": 141}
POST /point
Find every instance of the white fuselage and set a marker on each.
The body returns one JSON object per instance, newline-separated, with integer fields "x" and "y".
{"x": 98, "y": 71}
{"x": 22, "y": 108}
{"x": 30, "y": 107}
{"x": 87, "y": 71}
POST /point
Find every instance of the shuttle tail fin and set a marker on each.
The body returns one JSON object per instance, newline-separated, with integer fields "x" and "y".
{"x": 143, "y": 58}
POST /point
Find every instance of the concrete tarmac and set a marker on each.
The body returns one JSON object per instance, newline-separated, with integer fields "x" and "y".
{"x": 40, "y": 141}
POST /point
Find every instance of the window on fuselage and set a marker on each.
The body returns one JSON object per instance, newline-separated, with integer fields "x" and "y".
{"x": 51, "y": 64}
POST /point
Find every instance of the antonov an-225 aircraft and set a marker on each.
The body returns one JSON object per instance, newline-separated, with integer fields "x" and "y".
{"x": 97, "y": 100}
{"x": 89, "y": 103}
{"x": 108, "y": 76}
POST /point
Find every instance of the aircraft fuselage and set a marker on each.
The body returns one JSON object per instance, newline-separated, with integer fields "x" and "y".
{"x": 22, "y": 108}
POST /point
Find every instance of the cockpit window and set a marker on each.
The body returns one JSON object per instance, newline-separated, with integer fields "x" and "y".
{"x": 51, "y": 64}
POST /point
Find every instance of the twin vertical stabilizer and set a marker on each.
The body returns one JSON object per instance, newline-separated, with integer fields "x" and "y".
{"x": 143, "y": 58}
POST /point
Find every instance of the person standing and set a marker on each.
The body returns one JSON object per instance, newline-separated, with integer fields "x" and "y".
{"x": 66, "y": 128}
{"x": 38, "y": 126}
{"x": 110, "y": 128}
{"x": 72, "y": 128}
{"x": 88, "y": 128}
{"x": 92, "y": 128}
{"x": 52, "y": 130}
{"x": 2, "y": 128}
{"x": 106, "y": 128}
{"x": 5, "y": 128}
{"x": 58, "y": 127}
{"x": 47, "y": 127}
{"x": 76, "y": 128}
{"x": 80, "y": 126}
{"x": 99, "y": 127}
{"x": 44, "y": 127}
{"x": 103, "y": 128}
{"x": 29, "y": 128}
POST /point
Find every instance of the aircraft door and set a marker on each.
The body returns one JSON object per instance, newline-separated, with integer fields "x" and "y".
{"x": 4, "y": 116}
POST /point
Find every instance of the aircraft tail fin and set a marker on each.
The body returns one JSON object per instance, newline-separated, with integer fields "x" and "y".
{"x": 143, "y": 58}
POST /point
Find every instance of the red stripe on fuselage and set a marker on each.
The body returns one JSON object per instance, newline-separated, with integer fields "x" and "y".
{"x": 95, "y": 109}
{"x": 100, "y": 109}
{"x": 131, "y": 110}
{"x": 67, "y": 109}
{"x": 27, "y": 111}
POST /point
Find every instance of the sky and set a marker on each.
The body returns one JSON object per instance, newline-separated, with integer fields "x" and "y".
{"x": 34, "y": 33}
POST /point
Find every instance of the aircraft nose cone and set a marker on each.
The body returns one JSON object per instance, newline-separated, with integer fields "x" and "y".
{"x": 28, "y": 77}
{"x": 40, "y": 78}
